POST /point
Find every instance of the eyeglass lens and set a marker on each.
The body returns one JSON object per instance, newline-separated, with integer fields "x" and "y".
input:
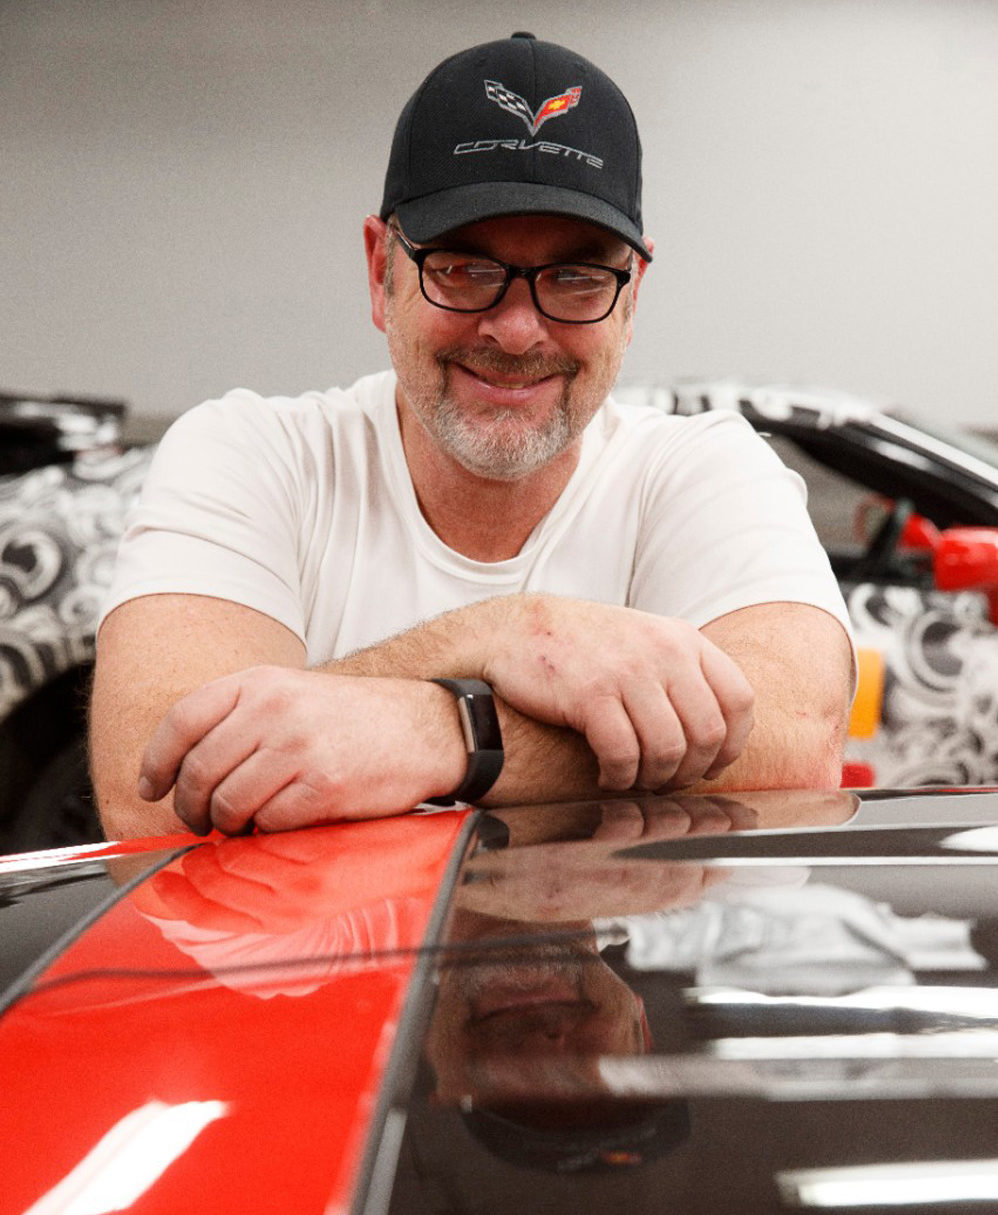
{"x": 569, "y": 291}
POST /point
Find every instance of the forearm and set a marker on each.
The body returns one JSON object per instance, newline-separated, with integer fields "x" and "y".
{"x": 799, "y": 663}
{"x": 785, "y": 751}
{"x": 795, "y": 658}
{"x": 542, "y": 762}
{"x": 452, "y": 645}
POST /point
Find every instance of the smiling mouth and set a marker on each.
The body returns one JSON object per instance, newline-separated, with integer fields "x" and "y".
{"x": 505, "y": 372}
{"x": 507, "y": 383}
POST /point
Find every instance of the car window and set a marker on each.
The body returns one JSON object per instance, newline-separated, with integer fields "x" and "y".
{"x": 834, "y": 501}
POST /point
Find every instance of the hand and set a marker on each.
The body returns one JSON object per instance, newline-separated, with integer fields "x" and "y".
{"x": 573, "y": 879}
{"x": 659, "y": 704}
{"x": 283, "y": 884}
{"x": 280, "y": 748}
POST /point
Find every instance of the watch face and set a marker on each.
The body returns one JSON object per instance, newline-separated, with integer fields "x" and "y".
{"x": 480, "y": 723}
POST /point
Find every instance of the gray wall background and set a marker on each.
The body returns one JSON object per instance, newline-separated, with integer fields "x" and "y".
{"x": 182, "y": 187}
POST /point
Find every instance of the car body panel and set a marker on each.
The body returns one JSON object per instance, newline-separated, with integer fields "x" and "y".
{"x": 249, "y": 1025}
{"x": 240, "y": 1003}
{"x": 822, "y": 1005}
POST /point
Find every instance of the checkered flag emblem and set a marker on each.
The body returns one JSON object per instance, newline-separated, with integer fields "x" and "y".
{"x": 513, "y": 103}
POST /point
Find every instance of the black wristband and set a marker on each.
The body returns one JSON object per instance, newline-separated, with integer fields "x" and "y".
{"x": 476, "y": 708}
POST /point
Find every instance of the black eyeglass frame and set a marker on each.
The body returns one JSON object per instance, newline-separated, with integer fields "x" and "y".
{"x": 418, "y": 255}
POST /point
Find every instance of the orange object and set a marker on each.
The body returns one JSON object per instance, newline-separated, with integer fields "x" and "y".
{"x": 868, "y": 704}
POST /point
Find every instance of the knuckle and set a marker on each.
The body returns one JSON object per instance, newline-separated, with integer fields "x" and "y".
{"x": 667, "y": 754}
{"x": 322, "y": 789}
{"x": 712, "y": 733}
{"x": 616, "y": 778}
{"x": 621, "y": 759}
{"x": 743, "y": 698}
{"x": 674, "y": 634}
{"x": 225, "y": 813}
{"x": 194, "y": 772}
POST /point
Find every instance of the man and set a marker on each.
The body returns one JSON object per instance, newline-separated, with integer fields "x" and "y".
{"x": 644, "y": 596}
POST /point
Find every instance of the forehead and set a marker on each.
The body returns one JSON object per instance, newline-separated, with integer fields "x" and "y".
{"x": 537, "y": 238}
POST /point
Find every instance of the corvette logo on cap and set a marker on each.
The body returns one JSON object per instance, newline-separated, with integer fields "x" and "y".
{"x": 513, "y": 103}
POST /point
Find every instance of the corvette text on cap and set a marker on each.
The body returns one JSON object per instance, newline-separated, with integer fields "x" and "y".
{"x": 515, "y": 127}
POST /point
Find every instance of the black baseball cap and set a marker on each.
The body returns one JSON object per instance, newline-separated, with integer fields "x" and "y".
{"x": 631, "y": 1137}
{"x": 515, "y": 127}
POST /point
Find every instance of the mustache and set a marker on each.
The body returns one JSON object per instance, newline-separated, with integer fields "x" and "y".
{"x": 532, "y": 366}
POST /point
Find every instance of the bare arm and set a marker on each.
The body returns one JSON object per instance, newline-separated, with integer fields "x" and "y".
{"x": 797, "y": 659}
{"x": 151, "y": 652}
{"x": 284, "y": 745}
{"x": 233, "y": 682}
{"x": 799, "y": 662}
{"x": 592, "y": 697}
{"x": 252, "y": 736}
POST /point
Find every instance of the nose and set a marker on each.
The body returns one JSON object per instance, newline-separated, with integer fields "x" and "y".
{"x": 514, "y": 324}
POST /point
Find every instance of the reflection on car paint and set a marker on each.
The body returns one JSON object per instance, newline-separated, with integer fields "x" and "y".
{"x": 252, "y": 1059}
{"x": 791, "y": 1015}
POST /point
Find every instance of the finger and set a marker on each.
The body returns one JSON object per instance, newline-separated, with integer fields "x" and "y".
{"x": 736, "y": 700}
{"x": 665, "y": 818}
{"x": 659, "y": 731}
{"x": 184, "y": 902}
{"x": 709, "y": 819}
{"x": 701, "y": 721}
{"x": 269, "y": 904}
{"x": 265, "y": 862}
{"x": 611, "y": 737}
{"x": 313, "y": 800}
{"x": 205, "y": 769}
{"x": 185, "y": 724}
{"x": 620, "y": 822}
{"x": 741, "y": 817}
{"x": 217, "y": 873}
{"x": 236, "y": 800}
{"x": 290, "y": 807}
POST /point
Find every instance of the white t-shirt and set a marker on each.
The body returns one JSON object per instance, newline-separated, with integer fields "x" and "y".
{"x": 304, "y": 510}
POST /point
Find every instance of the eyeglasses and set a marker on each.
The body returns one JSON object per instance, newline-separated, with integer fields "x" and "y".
{"x": 573, "y": 293}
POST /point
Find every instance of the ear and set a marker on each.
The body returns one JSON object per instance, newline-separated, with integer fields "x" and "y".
{"x": 374, "y": 247}
{"x": 640, "y": 266}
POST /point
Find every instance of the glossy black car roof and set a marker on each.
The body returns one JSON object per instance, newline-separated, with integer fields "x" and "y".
{"x": 817, "y": 975}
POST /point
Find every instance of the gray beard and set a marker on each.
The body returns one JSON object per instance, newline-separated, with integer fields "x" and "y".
{"x": 491, "y": 451}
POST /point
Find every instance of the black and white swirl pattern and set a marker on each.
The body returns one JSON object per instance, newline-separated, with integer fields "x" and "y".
{"x": 59, "y": 532}
{"x": 939, "y": 721}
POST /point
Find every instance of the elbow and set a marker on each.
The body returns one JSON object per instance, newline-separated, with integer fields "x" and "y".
{"x": 801, "y": 752}
{"x": 810, "y": 756}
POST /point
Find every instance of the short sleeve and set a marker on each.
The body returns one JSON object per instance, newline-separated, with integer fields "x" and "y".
{"x": 725, "y": 526}
{"x": 219, "y": 513}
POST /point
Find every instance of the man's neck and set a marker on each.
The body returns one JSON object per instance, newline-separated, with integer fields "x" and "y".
{"x": 484, "y": 519}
